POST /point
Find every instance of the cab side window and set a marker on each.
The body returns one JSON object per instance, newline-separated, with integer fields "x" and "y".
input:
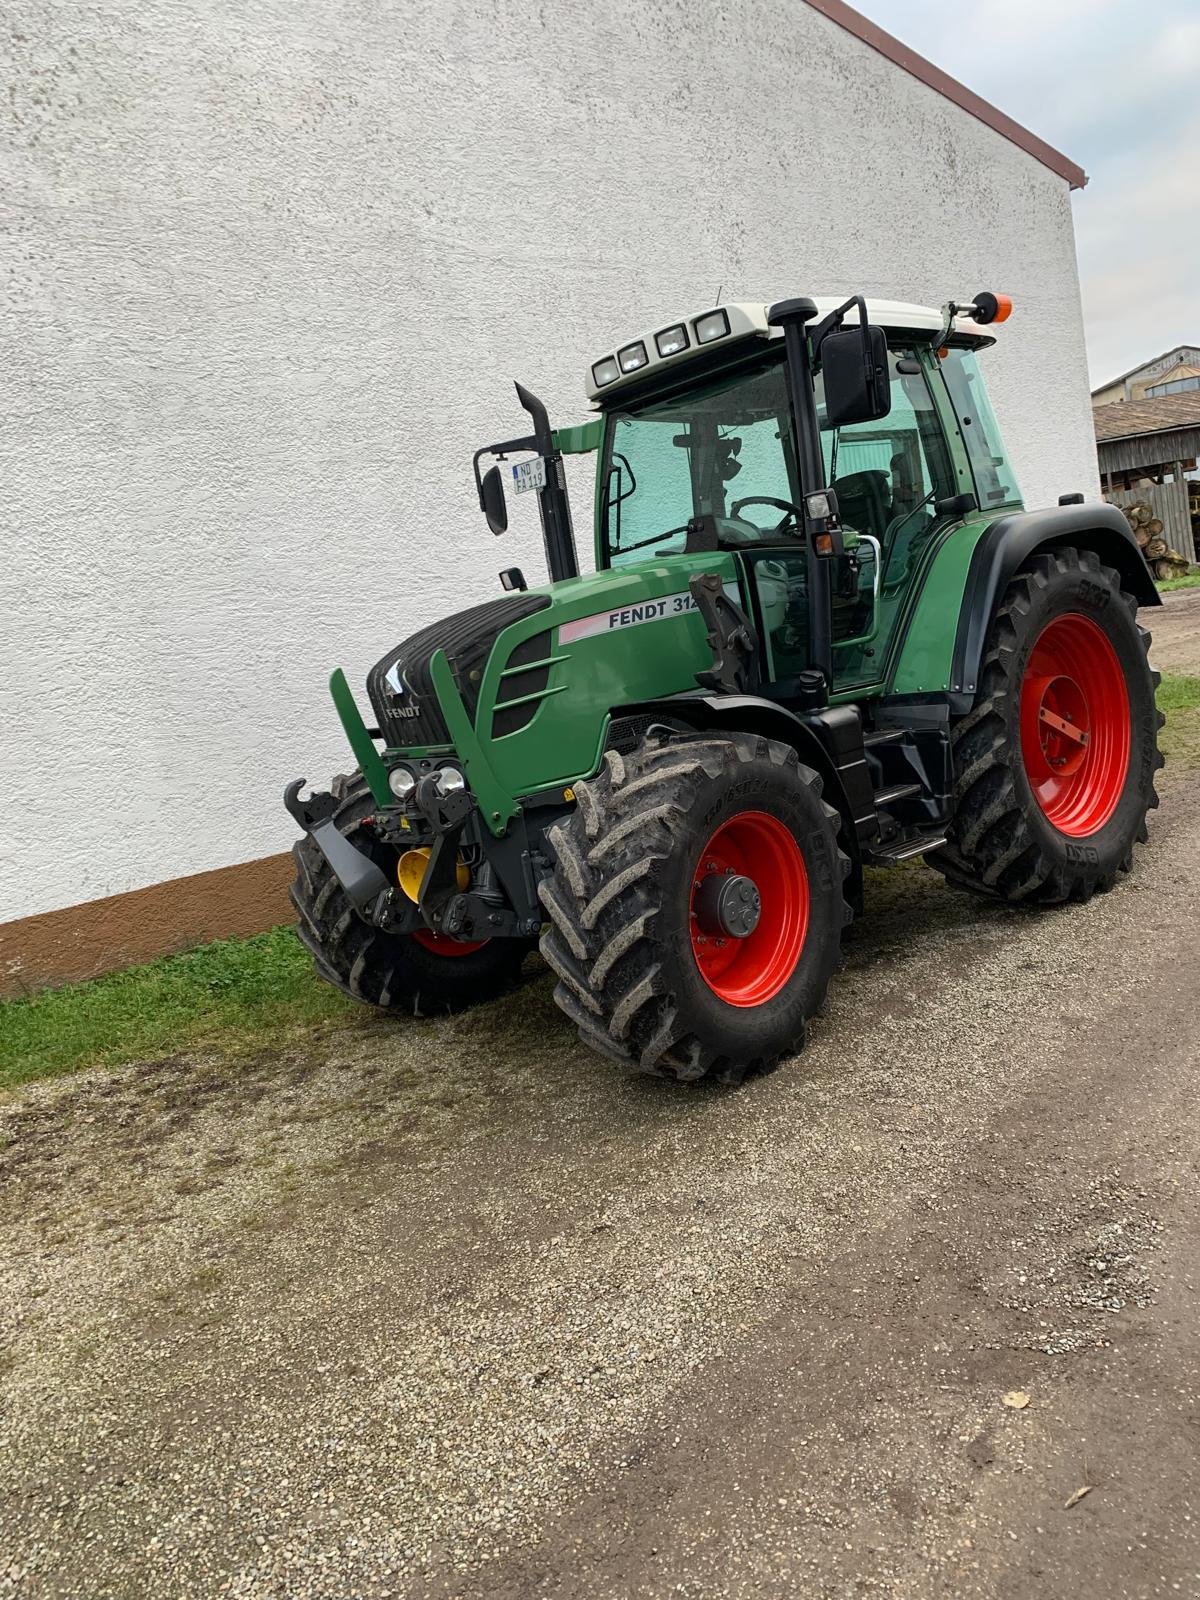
{"x": 649, "y": 490}
{"x": 889, "y": 473}
{"x": 995, "y": 481}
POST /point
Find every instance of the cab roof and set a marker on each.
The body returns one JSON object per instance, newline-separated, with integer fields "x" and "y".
{"x": 634, "y": 361}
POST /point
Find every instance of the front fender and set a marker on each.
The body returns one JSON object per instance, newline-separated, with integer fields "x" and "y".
{"x": 829, "y": 740}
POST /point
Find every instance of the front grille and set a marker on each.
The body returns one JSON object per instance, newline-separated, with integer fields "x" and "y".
{"x": 411, "y": 717}
{"x": 511, "y": 719}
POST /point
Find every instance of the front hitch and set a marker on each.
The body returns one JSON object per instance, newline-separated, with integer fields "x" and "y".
{"x": 359, "y": 876}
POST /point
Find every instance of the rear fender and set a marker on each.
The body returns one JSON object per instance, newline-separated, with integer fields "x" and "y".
{"x": 1008, "y": 545}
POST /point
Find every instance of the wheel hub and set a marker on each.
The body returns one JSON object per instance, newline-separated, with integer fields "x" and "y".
{"x": 1063, "y": 718}
{"x": 727, "y": 905}
{"x": 749, "y": 904}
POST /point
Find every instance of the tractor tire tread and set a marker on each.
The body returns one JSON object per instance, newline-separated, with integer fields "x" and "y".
{"x": 992, "y": 850}
{"x": 602, "y": 901}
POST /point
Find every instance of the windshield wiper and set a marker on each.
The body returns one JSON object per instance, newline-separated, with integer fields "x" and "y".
{"x": 655, "y": 538}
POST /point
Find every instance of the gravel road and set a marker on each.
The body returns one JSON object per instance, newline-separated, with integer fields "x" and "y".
{"x": 1177, "y": 632}
{"x": 453, "y": 1308}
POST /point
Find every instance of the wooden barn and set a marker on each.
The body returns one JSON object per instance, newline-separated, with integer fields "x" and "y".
{"x": 1146, "y": 448}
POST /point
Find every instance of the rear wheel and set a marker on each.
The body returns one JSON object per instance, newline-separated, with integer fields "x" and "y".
{"x": 1055, "y": 763}
{"x": 695, "y": 913}
{"x": 421, "y": 972}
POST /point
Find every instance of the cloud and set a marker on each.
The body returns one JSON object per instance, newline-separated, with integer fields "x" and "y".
{"x": 1111, "y": 83}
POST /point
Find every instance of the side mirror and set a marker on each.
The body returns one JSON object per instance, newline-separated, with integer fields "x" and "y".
{"x": 855, "y": 367}
{"x": 491, "y": 494}
{"x": 957, "y": 505}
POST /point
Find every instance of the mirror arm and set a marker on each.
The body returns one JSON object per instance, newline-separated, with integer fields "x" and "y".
{"x": 834, "y": 320}
{"x": 499, "y": 451}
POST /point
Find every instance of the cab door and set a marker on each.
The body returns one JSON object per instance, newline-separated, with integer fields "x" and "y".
{"x": 889, "y": 475}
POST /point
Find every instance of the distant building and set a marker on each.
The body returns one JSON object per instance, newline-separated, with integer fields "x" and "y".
{"x": 1147, "y": 451}
{"x": 1176, "y": 372}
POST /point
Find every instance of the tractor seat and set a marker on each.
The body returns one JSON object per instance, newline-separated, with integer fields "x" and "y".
{"x": 865, "y": 502}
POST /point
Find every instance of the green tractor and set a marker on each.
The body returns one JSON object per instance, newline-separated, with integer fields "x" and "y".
{"x": 823, "y": 633}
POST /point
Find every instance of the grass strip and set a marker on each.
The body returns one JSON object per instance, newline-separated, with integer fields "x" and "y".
{"x": 233, "y": 993}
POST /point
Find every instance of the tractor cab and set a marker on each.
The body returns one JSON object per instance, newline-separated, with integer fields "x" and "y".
{"x": 706, "y": 424}
{"x": 827, "y": 446}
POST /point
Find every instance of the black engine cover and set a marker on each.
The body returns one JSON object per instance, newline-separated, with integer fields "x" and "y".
{"x": 399, "y": 686}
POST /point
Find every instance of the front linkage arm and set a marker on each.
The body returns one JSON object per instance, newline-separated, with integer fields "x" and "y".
{"x": 447, "y": 815}
{"x": 358, "y": 875}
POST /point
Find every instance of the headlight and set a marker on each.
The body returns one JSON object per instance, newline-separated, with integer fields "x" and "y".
{"x": 606, "y": 371}
{"x": 401, "y": 782}
{"x": 451, "y": 780}
{"x": 715, "y": 325}
{"x": 632, "y": 357}
{"x": 672, "y": 340}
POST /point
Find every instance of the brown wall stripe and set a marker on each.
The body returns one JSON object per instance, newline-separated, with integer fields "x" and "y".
{"x": 101, "y": 935}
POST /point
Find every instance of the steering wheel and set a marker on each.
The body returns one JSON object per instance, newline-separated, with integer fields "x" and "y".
{"x": 789, "y": 510}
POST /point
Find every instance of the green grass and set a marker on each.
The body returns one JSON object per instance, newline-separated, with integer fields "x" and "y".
{"x": 234, "y": 994}
{"x": 1179, "y": 700}
{"x": 1190, "y": 580}
{"x": 1178, "y": 694}
{"x": 240, "y": 994}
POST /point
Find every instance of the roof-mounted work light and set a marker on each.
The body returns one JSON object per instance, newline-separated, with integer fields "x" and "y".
{"x": 984, "y": 308}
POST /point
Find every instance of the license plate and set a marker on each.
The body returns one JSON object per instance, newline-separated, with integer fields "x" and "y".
{"x": 529, "y": 475}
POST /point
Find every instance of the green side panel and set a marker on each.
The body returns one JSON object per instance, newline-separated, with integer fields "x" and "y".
{"x": 361, "y": 743}
{"x": 496, "y": 803}
{"x": 924, "y": 660}
{"x": 581, "y": 439}
{"x": 617, "y": 637}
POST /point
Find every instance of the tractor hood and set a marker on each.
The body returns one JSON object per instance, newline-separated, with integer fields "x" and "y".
{"x": 612, "y": 635}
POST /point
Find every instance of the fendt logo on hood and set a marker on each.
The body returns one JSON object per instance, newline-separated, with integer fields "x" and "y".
{"x": 399, "y": 690}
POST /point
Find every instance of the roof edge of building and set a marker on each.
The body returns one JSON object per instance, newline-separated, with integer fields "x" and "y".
{"x": 1148, "y": 433}
{"x": 975, "y": 105}
{"x": 1122, "y": 376}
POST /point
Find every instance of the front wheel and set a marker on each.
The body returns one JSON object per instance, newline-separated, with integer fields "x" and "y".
{"x": 420, "y": 972}
{"x": 695, "y": 912}
{"x": 1055, "y": 763}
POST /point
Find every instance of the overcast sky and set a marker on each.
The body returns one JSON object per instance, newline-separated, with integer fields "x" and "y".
{"x": 1115, "y": 85}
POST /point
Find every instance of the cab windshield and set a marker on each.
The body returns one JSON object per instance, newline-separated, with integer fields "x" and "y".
{"x": 723, "y": 450}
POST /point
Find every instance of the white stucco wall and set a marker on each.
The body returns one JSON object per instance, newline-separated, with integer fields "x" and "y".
{"x": 270, "y": 266}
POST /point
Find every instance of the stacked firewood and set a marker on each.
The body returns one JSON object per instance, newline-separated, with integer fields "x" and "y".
{"x": 1148, "y": 531}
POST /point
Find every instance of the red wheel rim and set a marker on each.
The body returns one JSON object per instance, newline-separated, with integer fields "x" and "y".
{"x": 749, "y": 971}
{"x": 1075, "y": 725}
{"x": 439, "y": 944}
